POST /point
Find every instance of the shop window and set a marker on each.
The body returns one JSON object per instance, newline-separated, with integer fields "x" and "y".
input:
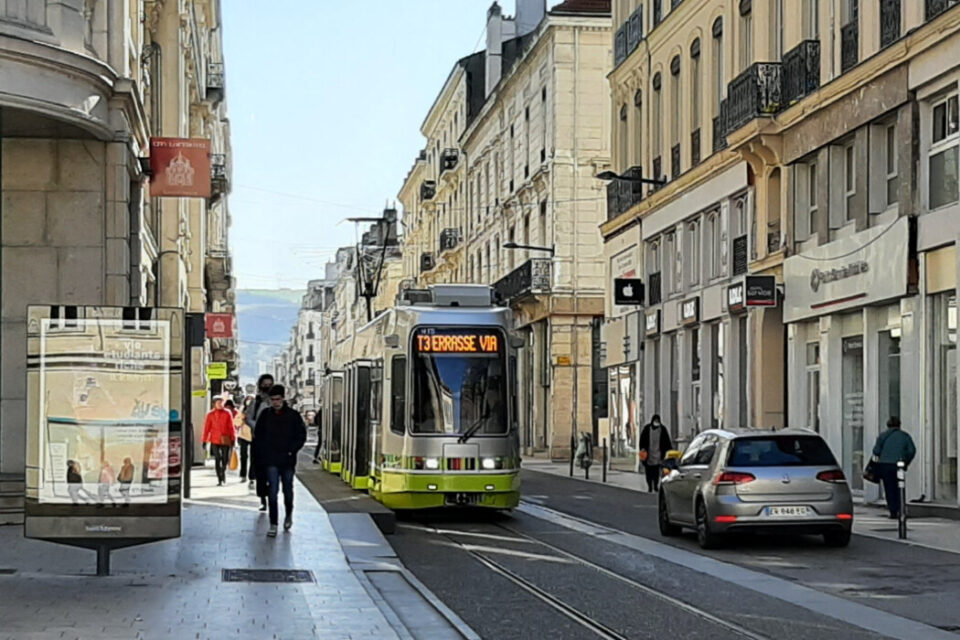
{"x": 945, "y": 401}
{"x": 852, "y": 400}
{"x": 944, "y": 141}
{"x": 674, "y": 385}
{"x": 655, "y": 349}
{"x": 718, "y": 370}
{"x": 813, "y": 384}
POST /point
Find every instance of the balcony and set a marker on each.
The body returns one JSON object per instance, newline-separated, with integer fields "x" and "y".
{"x": 740, "y": 249}
{"x": 719, "y": 130}
{"x": 218, "y": 174}
{"x": 654, "y": 293}
{"x": 934, "y": 8}
{"x": 427, "y": 262}
{"x": 449, "y": 239}
{"x": 657, "y": 12}
{"x": 634, "y": 29}
{"x": 449, "y": 159}
{"x": 623, "y": 194}
{"x": 849, "y": 46}
{"x": 889, "y": 22}
{"x": 801, "y": 71}
{"x": 215, "y": 81}
{"x": 428, "y": 189}
{"x": 755, "y": 92}
{"x": 675, "y": 161}
{"x": 657, "y": 166}
{"x": 620, "y": 45}
{"x": 531, "y": 278}
{"x": 695, "y": 148}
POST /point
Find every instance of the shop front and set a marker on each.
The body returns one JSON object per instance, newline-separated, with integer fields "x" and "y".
{"x": 852, "y": 339}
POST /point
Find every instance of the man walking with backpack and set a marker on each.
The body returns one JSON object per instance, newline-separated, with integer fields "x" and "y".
{"x": 277, "y": 439}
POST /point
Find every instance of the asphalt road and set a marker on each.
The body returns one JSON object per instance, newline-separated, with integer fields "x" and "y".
{"x": 520, "y": 576}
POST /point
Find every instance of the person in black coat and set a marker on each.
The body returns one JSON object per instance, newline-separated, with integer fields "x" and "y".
{"x": 277, "y": 439}
{"x": 653, "y": 446}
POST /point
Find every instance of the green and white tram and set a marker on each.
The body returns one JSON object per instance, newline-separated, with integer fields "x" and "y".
{"x": 420, "y": 406}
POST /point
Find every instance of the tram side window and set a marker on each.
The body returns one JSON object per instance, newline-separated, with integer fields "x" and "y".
{"x": 398, "y": 388}
{"x": 376, "y": 393}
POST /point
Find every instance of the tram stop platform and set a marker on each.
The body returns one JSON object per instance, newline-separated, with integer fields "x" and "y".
{"x": 335, "y": 496}
{"x": 332, "y": 576}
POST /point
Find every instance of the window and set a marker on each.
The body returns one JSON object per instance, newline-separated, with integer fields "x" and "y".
{"x": 717, "y": 61}
{"x": 707, "y": 450}
{"x": 805, "y": 200}
{"x": 945, "y": 124}
{"x": 690, "y": 454}
{"x": 638, "y": 128}
{"x": 849, "y": 179}
{"x": 776, "y": 28}
{"x": 811, "y": 19}
{"x": 398, "y": 394}
{"x": 669, "y": 256}
{"x": 695, "y": 354}
{"x": 746, "y": 36}
{"x": 543, "y": 222}
{"x": 695, "y": 81}
{"x": 893, "y": 182}
{"x": 674, "y": 106}
{"x": 781, "y": 451}
{"x": 717, "y": 370}
{"x": 693, "y": 251}
{"x": 813, "y": 385}
{"x": 712, "y": 245}
{"x": 657, "y": 147}
{"x": 623, "y": 140}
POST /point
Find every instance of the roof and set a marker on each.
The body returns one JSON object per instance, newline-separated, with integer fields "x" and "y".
{"x": 582, "y": 6}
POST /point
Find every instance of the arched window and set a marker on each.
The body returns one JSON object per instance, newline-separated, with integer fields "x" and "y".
{"x": 638, "y": 128}
{"x": 695, "y": 103}
{"x": 623, "y": 140}
{"x": 656, "y": 119}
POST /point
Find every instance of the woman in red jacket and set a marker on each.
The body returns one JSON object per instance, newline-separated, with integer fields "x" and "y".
{"x": 219, "y": 431}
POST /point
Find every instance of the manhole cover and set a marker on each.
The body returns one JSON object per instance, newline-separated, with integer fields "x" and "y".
{"x": 267, "y": 575}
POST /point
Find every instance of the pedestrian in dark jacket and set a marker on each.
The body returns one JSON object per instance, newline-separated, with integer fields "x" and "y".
{"x": 653, "y": 446}
{"x": 892, "y": 446}
{"x": 277, "y": 439}
{"x": 259, "y": 404}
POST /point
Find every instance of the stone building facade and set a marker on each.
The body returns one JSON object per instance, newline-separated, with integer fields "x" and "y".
{"x": 85, "y": 84}
{"x": 513, "y": 142}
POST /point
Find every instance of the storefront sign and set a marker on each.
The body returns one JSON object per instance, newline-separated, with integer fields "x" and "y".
{"x": 219, "y": 325}
{"x": 652, "y": 326}
{"x": 217, "y": 371}
{"x": 628, "y": 291}
{"x": 180, "y": 167}
{"x": 735, "y": 300}
{"x": 866, "y": 268}
{"x": 690, "y": 311}
{"x": 760, "y": 291}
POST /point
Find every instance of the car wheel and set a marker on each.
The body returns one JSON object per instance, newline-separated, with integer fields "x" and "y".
{"x": 667, "y": 529}
{"x": 706, "y": 538}
{"x": 836, "y": 538}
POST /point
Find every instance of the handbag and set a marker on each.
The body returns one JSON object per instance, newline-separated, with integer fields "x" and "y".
{"x": 870, "y": 471}
{"x": 226, "y": 441}
{"x": 234, "y": 461}
{"x": 246, "y": 433}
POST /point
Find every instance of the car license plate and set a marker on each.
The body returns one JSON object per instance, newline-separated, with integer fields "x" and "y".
{"x": 788, "y": 512}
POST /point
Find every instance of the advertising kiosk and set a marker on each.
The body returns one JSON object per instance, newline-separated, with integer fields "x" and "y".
{"x": 104, "y": 438}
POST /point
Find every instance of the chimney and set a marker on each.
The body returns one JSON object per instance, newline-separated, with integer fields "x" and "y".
{"x": 499, "y": 29}
{"x": 529, "y": 15}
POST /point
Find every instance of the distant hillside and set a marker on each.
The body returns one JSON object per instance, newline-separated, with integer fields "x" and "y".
{"x": 264, "y": 318}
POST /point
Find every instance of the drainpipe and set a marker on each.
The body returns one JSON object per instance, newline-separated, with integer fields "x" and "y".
{"x": 576, "y": 226}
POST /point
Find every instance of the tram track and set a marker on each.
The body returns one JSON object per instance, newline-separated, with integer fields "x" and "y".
{"x": 586, "y": 620}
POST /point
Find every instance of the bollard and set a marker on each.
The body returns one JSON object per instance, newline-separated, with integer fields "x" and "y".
{"x": 902, "y": 488}
{"x": 573, "y": 449}
{"x": 605, "y": 459}
{"x": 588, "y": 462}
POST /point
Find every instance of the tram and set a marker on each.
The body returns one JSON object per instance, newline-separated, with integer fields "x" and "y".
{"x": 420, "y": 405}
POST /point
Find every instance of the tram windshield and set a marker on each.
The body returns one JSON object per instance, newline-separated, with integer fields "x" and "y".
{"x": 459, "y": 382}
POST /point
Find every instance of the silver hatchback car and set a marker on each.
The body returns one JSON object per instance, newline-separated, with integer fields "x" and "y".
{"x": 751, "y": 480}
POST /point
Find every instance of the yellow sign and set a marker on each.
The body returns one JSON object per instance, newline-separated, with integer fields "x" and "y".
{"x": 217, "y": 371}
{"x": 563, "y": 361}
{"x": 200, "y": 393}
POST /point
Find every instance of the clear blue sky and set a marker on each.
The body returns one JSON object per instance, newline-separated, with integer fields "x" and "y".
{"x": 325, "y": 100}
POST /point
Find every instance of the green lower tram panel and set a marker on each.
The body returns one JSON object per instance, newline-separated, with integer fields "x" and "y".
{"x": 360, "y": 482}
{"x": 398, "y": 490}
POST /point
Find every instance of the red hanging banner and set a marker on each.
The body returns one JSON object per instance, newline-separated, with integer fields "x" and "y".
{"x": 219, "y": 325}
{"x": 180, "y": 167}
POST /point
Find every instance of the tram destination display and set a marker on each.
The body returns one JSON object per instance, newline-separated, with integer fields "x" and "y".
{"x": 428, "y": 341}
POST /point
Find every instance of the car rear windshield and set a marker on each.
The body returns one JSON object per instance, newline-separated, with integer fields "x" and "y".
{"x": 780, "y": 451}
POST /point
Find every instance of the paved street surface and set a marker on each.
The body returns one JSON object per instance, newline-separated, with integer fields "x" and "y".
{"x": 606, "y": 572}
{"x": 173, "y": 589}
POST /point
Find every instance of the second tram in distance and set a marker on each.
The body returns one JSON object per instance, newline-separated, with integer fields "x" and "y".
{"x": 420, "y": 405}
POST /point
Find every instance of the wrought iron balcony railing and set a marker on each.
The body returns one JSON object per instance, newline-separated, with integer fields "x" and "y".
{"x": 889, "y": 21}
{"x": 427, "y": 262}
{"x": 695, "y": 148}
{"x": 801, "y": 71}
{"x": 849, "y": 46}
{"x": 449, "y": 159}
{"x": 634, "y": 29}
{"x": 532, "y": 277}
{"x": 654, "y": 285}
{"x": 428, "y": 189}
{"x": 449, "y": 239}
{"x": 755, "y": 92}
{"x": 620, "y": 45}
{"x": 720, "y": 130}
{"x": 933, "y": 8}
{"x": 675, "y": 161}
{"x": 623, "y": 194}
{"x": 657, "y": 166}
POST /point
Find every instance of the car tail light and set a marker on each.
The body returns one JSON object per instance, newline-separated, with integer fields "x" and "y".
{"x": 734, "y": 477}
{"x": 834, "y": 475}
{"x": 725, "y": 519}
{"x": 844, "y": 516}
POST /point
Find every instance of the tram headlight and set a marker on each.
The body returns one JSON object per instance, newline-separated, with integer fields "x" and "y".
{"x": 489, "y": 463}
{"x": 432, "y": 463}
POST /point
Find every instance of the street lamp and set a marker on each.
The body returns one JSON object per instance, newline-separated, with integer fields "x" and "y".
{"x": 531, "y": 247}
{"x": 612, "y": 175}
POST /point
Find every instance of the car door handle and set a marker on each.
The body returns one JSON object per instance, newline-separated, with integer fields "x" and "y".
{"x": 697, "y": 476}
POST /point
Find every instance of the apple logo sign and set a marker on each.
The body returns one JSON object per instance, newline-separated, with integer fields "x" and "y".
{"x": 628, "y": 290}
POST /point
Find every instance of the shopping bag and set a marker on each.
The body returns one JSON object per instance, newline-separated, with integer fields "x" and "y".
{"x": 870, "y": 472}
{"x": 234, "y": 460}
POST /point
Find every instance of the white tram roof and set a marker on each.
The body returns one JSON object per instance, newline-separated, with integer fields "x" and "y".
{"x": 448, "y": 295}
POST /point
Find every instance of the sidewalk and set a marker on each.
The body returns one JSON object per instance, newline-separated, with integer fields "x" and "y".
{"x": 941, "y": 534}
{"x": 173, "y": 589}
